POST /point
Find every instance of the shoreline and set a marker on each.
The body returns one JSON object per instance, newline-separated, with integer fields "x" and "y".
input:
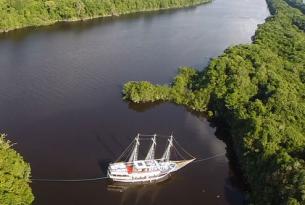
{"x": 4, "y": 31}
{"x": 236, "y": 90}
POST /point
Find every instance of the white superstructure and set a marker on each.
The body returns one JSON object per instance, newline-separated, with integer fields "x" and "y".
{"x": 149, "y": 169}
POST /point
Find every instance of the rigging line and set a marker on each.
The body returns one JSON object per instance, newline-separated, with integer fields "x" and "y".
{"x": 178, "y": 152}
{"x": 69, "y": 180}
{"x": 125, "y": 151}
{"x": 157, "y": 135}
{"x": 208, "y": 158}
{"x": 123, "y": 154}
{"x": 183, "y": 149}
{"x": 102, "y": 178}
{"x": 163, "y": 136}
{"x": 145, "y": 135}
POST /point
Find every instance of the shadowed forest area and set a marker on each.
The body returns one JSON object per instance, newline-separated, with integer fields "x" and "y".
{"x": 257, "y": 91}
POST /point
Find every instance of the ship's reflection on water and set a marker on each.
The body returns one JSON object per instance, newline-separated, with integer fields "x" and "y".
{"x": 136, "y": 194}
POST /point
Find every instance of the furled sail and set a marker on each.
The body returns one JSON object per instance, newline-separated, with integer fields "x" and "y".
{"x": 134, "y": 154}
{"x": 166, "y": 155}
{"x": 151, "y": 153}
{"x": 147, "y": 170}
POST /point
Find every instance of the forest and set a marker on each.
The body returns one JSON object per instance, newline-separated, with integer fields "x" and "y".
{"x": 256, "y": 92}
{"x": 14, "y": 171}
{"x": 16, "y": 14}
{"x": 297, "y": 4}
{"x": 14, "y": 176}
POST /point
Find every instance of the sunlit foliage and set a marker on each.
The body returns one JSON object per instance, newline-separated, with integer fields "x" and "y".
{"x": 21, "y": 13}
{"x": 14, "y": 176}
{"x": 258, "y": 92}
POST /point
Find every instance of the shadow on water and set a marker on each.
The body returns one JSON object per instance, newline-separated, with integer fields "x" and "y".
{"x": 111, "y": 145}
{"x": 235, "y": 180}
{"x": 142, "y": 107}
{"x": 105, "y": 146}
{"x": 103, "y": 164}
{"x": 137, "y": 194}
{"x": 85, "y": 25}
{"x": 232, "y": 190}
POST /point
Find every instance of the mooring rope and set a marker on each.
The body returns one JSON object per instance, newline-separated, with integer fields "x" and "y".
{"x": 102, "y": 178}
{"x": 183, "y": 149}
{"x": 208, "y": 158}
{"x": 69, "y": 180}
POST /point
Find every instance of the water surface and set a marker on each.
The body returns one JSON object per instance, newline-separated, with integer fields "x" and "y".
{"x": 60, "y": 100}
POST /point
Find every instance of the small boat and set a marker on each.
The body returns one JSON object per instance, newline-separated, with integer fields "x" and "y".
{"x": 148, "y": 170}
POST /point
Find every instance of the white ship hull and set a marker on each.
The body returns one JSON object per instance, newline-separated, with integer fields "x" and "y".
{"x": 149, "y": 170}
{"x": 163, "y": 172}
{"x": 147, "y": 180}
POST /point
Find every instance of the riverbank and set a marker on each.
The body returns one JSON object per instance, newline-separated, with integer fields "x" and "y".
{"x": 257, "y": 93}
{"x": 39, "y": 13}
{"x": 14, "y": 176}
{"x": 67, "y": 77}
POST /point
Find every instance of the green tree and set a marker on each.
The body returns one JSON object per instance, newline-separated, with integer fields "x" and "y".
{"x": 14, "y": 176}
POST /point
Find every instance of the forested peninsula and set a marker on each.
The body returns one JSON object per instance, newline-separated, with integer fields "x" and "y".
{"x": 23, "y": 13}
{"x": 256, "y": 93}
{"x": 14, "y": 176}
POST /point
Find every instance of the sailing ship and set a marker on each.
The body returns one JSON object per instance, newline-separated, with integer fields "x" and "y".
{"x": 150, "y": 169}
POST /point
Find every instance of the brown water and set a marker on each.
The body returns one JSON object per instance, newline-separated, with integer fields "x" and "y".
{"x": 60, "y": 100}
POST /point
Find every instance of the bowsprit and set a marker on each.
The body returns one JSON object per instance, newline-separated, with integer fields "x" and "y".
{"x": 150, "y": 169}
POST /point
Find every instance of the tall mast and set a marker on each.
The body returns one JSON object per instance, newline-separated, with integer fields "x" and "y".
{"x": 166, "y": 155}
{"x": 134, "y": 154}
{"x": 151, "y": 153}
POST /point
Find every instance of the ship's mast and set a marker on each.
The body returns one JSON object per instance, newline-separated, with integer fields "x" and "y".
{"x": 166, "y": 155}
{"x": 134, "y": 154}
{"x": 151, "y": 153}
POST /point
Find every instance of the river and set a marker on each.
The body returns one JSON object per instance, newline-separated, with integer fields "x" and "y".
{"x": 60, "y": 100}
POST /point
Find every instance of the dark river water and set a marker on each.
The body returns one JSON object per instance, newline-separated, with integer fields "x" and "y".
{"x": 60, "y": 100}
